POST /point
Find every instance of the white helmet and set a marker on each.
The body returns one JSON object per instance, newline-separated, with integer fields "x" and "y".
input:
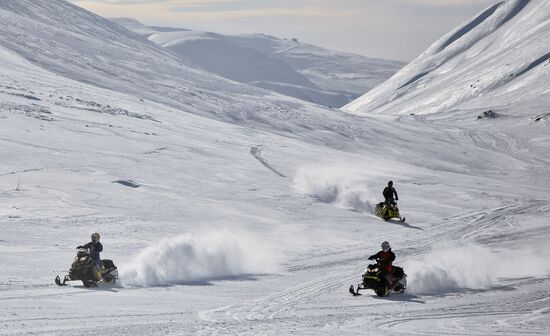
{"x": 95, "y": 237}
{"x": 386, "y": 246}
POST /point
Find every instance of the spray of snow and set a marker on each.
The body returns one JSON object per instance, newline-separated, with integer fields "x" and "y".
{"x": 339, "y": 186}
{"x": 199, "y": 257}
{"x": 452, "y": 267}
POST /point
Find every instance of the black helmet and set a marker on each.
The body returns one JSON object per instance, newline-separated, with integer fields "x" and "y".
{"x": 95, "y": 237}
{"x": 390, "y": 183}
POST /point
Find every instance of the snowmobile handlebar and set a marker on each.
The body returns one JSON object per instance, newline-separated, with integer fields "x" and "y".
{"x": 379, "y": 261}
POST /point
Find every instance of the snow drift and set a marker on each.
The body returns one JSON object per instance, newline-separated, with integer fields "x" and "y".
{"x": 453, "y": 267}
{"x": 199, "y": 258}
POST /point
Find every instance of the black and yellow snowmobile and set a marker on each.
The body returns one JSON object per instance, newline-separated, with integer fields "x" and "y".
{"x": 82, "y": 270}
{"x": 373, "y": 279}
{"x": 388, "y": 211}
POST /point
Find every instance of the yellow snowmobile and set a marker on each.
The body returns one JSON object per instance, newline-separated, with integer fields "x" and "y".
{"x": 388, "y": 212}
{"x": 81, "y": 270}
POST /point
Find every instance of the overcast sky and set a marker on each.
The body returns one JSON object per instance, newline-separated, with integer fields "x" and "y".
{"x": 393, "y": 29}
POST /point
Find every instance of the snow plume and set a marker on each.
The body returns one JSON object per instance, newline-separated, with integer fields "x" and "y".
{"x": 339, "y": 186}
{"x": 452, "y": 267}
{"x": 199, "y": 257}
{"x": 449, "y": 267}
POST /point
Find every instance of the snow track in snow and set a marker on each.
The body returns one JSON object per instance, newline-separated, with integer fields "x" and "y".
{"x": 256, "y": 152}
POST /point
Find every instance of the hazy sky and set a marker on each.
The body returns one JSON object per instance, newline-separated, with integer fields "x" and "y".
{"x": 394, "y": 29}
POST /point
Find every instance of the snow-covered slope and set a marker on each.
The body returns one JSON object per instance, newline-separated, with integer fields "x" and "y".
{"x": 89, "y": 49}
{"x": 498, "y": 61}
{"x": 328, "y": 69}
{"x": 289, "y": 67}
{"x": 242, "y": 212}
{"x": 210, "y": 52}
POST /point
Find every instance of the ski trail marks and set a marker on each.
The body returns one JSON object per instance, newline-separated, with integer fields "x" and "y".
{"x": 256, "y": 152}
{"x": 22, "y": 171}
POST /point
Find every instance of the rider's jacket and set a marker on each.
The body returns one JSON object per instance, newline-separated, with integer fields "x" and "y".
{"x": 386, "y": 259}
{"x": 389, "y": 192}
{"x": 95, "y": 248}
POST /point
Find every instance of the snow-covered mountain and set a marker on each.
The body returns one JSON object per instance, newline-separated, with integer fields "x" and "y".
{"x": 230, "y": 209}
{"x": 89, "y": 49}
{"x": 498, "y": 63}
{"x": 286, "y": 66}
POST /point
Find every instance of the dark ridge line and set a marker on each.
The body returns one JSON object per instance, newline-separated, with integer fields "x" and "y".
{"x": 519, "y": 7}
{"x": 414, "y": 79}
{"x": 127, "y": 183}
{"x": 467, "y": 28}
{"x": 542, "y": 116}
{"x": 477, "y": 21}
{"x": 533, "y": 64}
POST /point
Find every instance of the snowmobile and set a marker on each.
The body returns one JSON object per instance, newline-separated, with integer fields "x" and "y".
{"x": 374, "y": 279}
{"x": 388, "y": 212}
{"x": 82, "y": 270}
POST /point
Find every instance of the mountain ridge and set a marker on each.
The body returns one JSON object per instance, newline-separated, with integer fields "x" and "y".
{"x": 287, "y": 66}
{"x": 480, "y": 65}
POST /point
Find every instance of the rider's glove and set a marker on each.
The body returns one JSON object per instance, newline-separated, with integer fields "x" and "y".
{"x": 79, "y": 247}
{"x": 371, "y": 258}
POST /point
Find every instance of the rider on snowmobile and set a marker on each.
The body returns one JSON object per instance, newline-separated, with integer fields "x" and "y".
{"x": 388, "y": 193}
{"x": 95, "y": 248}
{"x": 386, "y": 258}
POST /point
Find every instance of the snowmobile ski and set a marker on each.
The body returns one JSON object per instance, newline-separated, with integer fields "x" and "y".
{"x": 353, "y": 292}
{"x": 58, "y": 281}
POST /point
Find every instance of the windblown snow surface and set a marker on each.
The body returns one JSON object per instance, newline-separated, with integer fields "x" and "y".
{"x": 245, "y": 212}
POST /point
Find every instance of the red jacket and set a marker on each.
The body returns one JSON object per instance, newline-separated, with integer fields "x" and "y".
{"x": 386, "y": 259}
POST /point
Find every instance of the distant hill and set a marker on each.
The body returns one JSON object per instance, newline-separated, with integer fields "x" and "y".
{"x": 285, "y": 66}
